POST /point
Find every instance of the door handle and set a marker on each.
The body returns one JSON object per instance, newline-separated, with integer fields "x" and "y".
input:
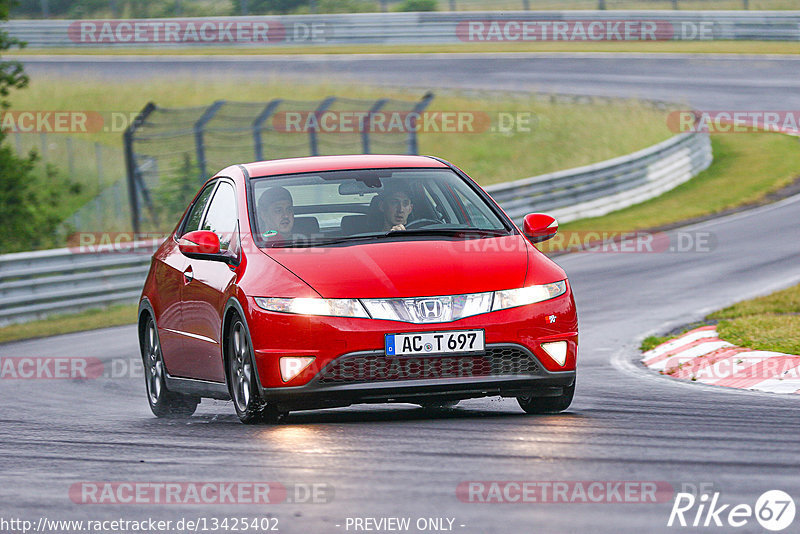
{"x": 188, "y": 275}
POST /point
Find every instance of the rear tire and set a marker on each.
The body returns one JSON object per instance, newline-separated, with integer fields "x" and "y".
{"x": 163, "y": 403}
{"x": 538, "y": 405}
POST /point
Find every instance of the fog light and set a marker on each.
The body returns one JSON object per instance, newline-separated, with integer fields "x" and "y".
{"x": 293, "y": 366}
{"x": 556, "y": 350}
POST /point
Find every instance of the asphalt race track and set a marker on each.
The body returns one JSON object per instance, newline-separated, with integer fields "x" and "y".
{"x": 714, "y": 82}
{"x": 626, "y": 423}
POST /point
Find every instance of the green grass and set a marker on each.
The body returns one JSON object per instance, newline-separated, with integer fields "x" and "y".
{"x": 660, "y": 47}
{"x": 769, "y": 323}
{"x": 64, "y": 324}
{"x": 763, "y": 332}
{"x": 651, "y": 342}
{"x": 746, "y": 168}
{"x": 780, "y": 303}
{"x": 765, "y": 323}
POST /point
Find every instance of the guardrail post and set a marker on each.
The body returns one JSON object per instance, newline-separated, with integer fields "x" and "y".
{"x": 376, "y": 107}
{"x": 258, "y": 125}
{"x": 98, "y": 154}
{"x": 526, "y": 5}
{"x": 130, "y": 163}
{"x": 601, "y": 4}
{"x": 199, "y": 144}
{"x": 312, "y": 134}
{"x": 43, "y": 143}
{"x": 413, "y": 144}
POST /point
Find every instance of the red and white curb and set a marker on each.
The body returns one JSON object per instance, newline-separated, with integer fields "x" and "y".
{"x": 701, "y": 356}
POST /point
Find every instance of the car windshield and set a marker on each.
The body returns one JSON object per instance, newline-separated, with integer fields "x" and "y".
{"x": 340, "y": 207}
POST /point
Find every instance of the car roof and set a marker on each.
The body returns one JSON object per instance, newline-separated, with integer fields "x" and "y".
{"x": 335, "y": 163}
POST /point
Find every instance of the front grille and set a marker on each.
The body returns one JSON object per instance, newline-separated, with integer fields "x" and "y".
{"x": 497, "y": 361}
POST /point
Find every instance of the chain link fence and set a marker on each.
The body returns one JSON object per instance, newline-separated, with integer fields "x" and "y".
{"x": 97, "y": 168}
{"x": 169, "y": 152}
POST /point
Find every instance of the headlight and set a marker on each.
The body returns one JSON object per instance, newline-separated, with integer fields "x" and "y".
{"x": 512, "y": 298}
{"x": 418, "y": 310}
{"x": 312, "y": 306}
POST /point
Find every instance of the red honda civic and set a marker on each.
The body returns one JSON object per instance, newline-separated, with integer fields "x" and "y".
{"x": 322, "y": 282}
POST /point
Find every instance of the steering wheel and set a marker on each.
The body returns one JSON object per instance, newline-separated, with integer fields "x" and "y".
{"x": 420, "y": 223}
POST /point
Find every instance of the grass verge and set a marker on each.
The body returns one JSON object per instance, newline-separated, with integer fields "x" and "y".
{"x": 746, "y": 169}
{"x": 764, "y": 323}
{"x": 67, "y": 323}
{"x": 650, "y": 47}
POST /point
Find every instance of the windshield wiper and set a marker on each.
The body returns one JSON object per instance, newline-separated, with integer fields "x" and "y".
{"x": 307, "y": 243}
{"x": 448, "y": 232}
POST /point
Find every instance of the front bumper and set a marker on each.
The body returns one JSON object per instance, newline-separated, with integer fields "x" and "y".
{"x": 369, "y": 377}
{"x": 334, "y": 339}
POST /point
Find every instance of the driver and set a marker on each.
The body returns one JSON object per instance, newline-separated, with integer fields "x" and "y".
{"x": 276, "y": 208}
{"x": 395, "y": 206}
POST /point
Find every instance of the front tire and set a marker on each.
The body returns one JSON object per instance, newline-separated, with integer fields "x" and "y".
{"x": 539, "y": 405}
{"x": 163, "y": 403}
{"x": 242, "y": 379}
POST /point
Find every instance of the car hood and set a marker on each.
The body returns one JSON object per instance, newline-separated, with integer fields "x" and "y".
{"x": 409, "y": 268}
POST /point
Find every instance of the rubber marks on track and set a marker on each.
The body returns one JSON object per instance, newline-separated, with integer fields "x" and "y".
{"x": 701, "y": 356}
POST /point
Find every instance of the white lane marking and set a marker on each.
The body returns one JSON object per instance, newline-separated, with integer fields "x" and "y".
{"x": 698, "y": 350}
{"x": 678, "y": 342}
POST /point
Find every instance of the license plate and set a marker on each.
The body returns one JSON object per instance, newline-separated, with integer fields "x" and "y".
{"x": 457, "y": 341}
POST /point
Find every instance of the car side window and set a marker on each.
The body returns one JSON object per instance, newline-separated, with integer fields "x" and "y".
{"x": 221, "y": 217}
{"x": 196, "y": 213}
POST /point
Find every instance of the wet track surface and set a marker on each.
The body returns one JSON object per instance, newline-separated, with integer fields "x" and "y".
{"x": 626, "y": 423}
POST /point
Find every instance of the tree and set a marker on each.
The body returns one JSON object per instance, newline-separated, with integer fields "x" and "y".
{"x": 30, "y": 205}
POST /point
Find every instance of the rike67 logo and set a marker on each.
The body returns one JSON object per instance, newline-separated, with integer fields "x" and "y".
{"x": 774, "y": 510}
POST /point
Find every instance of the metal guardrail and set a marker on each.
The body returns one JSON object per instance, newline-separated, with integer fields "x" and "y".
{"x": 601, "y": 188}
{"x": 37, "y": 284}
{"x": 409, "y": 28}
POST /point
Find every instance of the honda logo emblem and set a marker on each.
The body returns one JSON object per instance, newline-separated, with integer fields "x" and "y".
{"x": 430, "y": 308}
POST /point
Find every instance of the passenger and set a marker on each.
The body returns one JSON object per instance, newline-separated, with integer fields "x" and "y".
{"x": 276, "y": 208}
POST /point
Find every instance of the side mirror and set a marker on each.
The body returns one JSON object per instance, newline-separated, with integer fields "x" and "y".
{"x": 539, "y": 227}
{"x": 201, "y": 245}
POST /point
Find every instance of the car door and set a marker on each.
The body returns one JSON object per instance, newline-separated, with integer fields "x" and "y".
{"x": 171, "y": 279}
{"x": 207, "y": 289}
